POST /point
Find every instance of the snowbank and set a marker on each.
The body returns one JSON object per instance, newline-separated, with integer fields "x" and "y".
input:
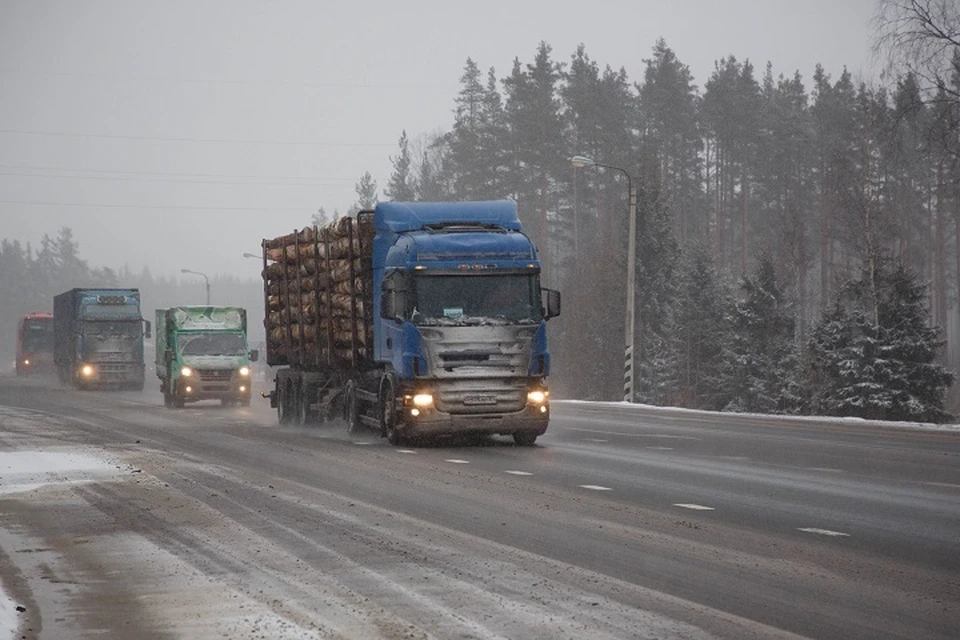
{"x": 770, "y": 417}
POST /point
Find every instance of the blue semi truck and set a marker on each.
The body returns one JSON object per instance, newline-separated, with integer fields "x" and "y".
{"x": 98, "y": 338}
{"x": 419, "y": 319}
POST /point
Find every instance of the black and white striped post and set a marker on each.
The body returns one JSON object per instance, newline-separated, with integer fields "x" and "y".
{"x": 630, "y": 328}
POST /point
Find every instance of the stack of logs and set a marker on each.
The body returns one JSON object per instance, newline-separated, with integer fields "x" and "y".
{"x": 313, "y": 303}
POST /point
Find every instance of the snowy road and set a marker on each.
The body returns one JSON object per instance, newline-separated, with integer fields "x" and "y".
{"x": 123, "y": 519}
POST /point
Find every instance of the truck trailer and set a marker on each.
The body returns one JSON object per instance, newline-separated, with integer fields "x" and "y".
{"x": 98, "y": 338}
{"x": 35, "y": 344}
{"x": 418, "y": 319}
{"x": 202, "y": 354}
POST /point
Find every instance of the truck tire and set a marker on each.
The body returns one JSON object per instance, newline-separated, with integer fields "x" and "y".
{"x": 525, "y": 438}
{"x": 304, "y": 415}
{"x": 286, "y": 402}
{"x": 351, "y": 410}
{"x": 386, "y": 407}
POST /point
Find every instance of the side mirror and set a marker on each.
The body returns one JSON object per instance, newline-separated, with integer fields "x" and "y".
{"x": 552, "y": 300}
{"x": 393, "y": 299}
{"x": 254, "y": 355}
{"x": 146, "y": 332}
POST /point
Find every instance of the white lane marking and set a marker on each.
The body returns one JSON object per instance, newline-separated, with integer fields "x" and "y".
{"x": 519, "y": 473}
{"x": 596, "y": 440}
{"x": 408, "y": 451}
{"x": 943, "y": 484}
{"x": 661, "y": 448}
{"x": 635, "y": 435}
{"x": 595, "y": 487}
{"x": 360, "y": 443}
{"x": 457, "y": 461}
{"x": 695, "y": 507}
{"x": 827, "y": 470}
{"x": 823, "y": 532}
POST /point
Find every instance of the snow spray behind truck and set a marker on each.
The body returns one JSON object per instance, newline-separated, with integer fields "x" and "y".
{"x": 202, "y": 355}
{"x": 98, "y": 338}
{"x": 417, "y": 319}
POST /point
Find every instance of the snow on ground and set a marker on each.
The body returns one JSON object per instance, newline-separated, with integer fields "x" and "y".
{"x": 26, "y": 470}
{"x": 927, "y": 426}
{"x": 8, "y": 616}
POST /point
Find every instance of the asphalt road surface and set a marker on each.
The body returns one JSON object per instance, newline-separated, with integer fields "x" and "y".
{"x": 120, "y": 518}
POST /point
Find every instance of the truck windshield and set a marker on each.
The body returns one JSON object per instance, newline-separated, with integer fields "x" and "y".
{"x": 37, "y": 336}
{"x": 211, "y": 344}
{"x": 475, "y": 299}
{"x": 113, "y": 330}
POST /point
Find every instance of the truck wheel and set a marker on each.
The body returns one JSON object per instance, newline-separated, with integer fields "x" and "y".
{"x": 304, "y": 416}
{"x": 525, "y": 438}
{"x": 286, "y": 401}
{"x": 388, "y": 413}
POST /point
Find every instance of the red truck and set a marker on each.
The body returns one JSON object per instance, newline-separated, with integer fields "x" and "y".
{"x": 35, "y": 344}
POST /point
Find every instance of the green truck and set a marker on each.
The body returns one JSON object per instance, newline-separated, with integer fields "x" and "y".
{"x": 202, "y": 354}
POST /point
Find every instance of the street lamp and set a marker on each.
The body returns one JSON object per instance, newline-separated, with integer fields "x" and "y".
{"x": 205, "y": 278}
{"x": 628, "y": 386}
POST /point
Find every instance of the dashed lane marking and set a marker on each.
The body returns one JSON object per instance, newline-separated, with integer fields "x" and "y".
{"x": 595, "y": 487}
{"x": 695, "y": 507}
{"x": 827, "y": 470}
{"x": 360, "y": 443}
{"x": 519, "y": 473}
{"x": 824, "y": 532}
{"x": 636, "y": 435}
{"x": 407, "y": 451}
{"x": 595, "y": 440}
{"x": 661, "y": 448}
{"x": 457, "y": 461}
{"x": 943, "y": 484}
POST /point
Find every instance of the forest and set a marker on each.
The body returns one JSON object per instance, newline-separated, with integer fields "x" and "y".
{"x": 797, "y": 240}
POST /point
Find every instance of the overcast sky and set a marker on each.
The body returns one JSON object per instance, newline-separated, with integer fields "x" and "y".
{"x": 177, "y": 134}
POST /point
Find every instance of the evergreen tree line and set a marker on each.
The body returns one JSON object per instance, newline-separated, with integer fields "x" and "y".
{"x": 793, "y": 243}
{"x": 30, "y": 278}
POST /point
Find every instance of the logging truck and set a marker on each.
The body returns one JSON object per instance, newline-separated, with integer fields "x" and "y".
{"x": 418, "y": 320}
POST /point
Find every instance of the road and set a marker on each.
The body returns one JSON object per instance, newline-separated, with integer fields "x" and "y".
{"x": 212, "y": 522}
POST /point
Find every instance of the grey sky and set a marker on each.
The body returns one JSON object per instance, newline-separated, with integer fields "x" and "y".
{"x": 178, "y": 133}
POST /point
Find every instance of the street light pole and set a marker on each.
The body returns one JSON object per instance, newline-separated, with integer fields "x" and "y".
{"x": 630, "y": 322}
{"x": 205, "y": 279}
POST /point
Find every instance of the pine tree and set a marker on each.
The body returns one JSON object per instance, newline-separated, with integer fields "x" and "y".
{"x": 873, "y": 356}
{"x": 700, "y": 335}
{"x": 399, "y": 188}
{"x": 762, "y": 356}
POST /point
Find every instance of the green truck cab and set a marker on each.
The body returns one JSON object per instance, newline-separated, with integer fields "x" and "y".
{"x": 202, "y": 354}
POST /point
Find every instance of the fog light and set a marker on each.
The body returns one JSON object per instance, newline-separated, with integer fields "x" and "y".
{"x": 242, "y": 388}
{"x": 186, "y": 372}
{"x": 543, "y": 409}
{"x": 26, "y": 361}
{"x": 87, "y": 371}
{"x": 423, "y": 400}
{"x": 537, "y": 397}
{"x": 415, "y": 412}
{"x": 189, "y": 389}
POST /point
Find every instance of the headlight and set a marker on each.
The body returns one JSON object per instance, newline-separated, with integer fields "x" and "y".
{"x": 244, "y": 371}
{"x": 537, "y": 397}
{"x": 186, "y": 372}
{"x": 87, "y": 371}
{"x": 423, "y": 400}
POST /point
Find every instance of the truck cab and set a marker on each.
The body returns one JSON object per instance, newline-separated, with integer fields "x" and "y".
{"x": 202, "y": 354}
